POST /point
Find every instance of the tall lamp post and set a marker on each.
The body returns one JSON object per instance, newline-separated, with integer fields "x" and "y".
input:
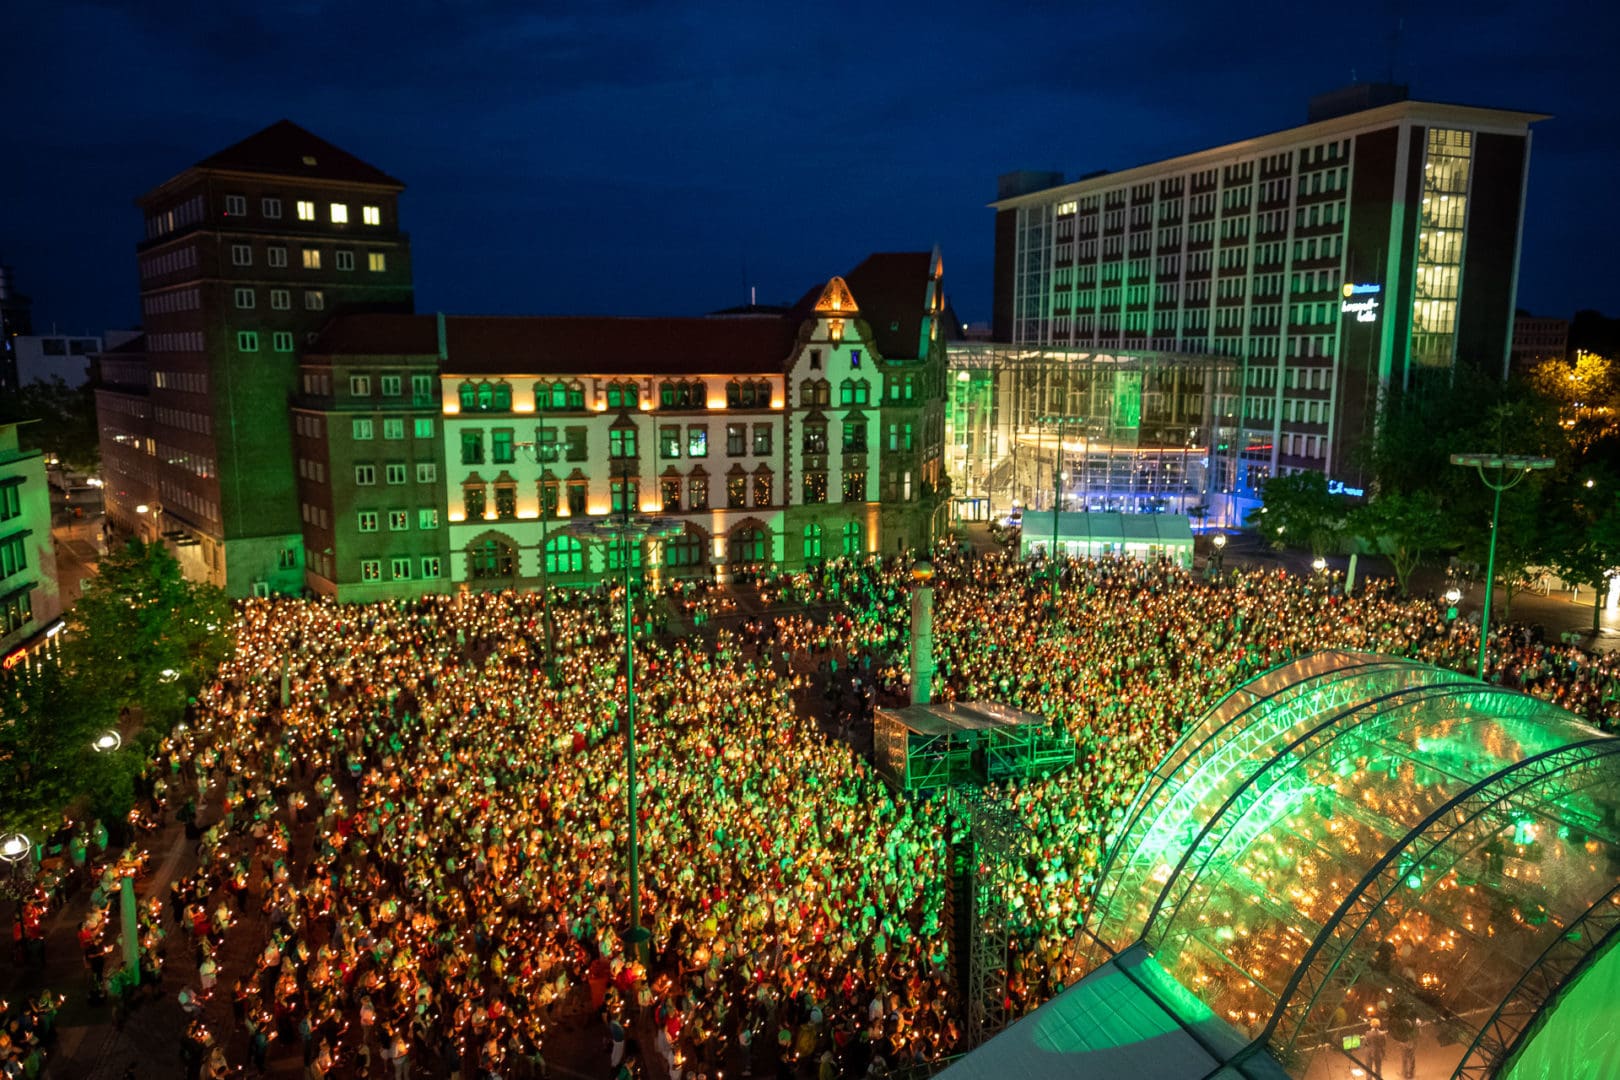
{"x": 1510, "y": 471}
{"x": 156, "y": 510}
{"x": 627, "y": 531}
{"x": 1219, "y": 543}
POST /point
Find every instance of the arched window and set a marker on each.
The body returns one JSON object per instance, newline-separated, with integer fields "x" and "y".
{"x": 762, "y": 393}
{"x": 747, "y": 546}
{"x": 556, "y": 396}
{"x": 684, "y": 550}
{"x": 667, "y": 394}
{"x": 564, "y": 555}
{"x": 493, "y": 559}
{"x": 734, "y": 394}
{"x": 812, "y": 542}
{"x": 576, "y": 395}
{"x": 625, "y": 395}
{"x": 807, "y": 392}
{"x": 486, "y": 396}
{"x": 503, "y": 397}
{"x": 854, "y": 538}
{"x": 615, "y": 554}
{"x": 469, "y": 397}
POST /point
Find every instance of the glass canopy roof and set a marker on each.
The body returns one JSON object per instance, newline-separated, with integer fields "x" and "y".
{"x": 1365, "y": 857}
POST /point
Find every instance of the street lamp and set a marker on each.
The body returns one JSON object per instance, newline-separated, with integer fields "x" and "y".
{"x": 628, "y": 531}
{"x": 1220, "y": 551}
{"x": 156, "y": 512}
{"x": 14, "y": 848}
{"x": 1520, "y": 466}
{"x": 1319, "y": 564}
{"x": 107, "y": 742}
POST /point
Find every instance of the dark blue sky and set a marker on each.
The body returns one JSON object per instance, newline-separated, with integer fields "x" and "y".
{"x": 636, "y": 158}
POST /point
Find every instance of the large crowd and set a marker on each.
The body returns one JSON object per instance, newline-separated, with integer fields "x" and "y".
{"x": 411, "y": 820}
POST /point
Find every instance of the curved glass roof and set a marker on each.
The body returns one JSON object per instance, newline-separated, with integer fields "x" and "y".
{"x": 1351, "y": 838}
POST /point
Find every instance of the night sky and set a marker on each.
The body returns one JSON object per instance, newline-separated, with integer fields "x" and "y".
{"x": 659, "y": 159}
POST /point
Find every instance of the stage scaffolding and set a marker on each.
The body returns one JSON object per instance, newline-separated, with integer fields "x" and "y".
{"x": 1131, "y": 432}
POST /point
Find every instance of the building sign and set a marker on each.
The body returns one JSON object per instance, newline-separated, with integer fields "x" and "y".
{"x": 1360, "y": 301}
{"x": 1338, "y": 487}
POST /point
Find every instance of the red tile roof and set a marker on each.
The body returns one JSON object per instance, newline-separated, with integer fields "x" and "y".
{"x": 285, "y": 149}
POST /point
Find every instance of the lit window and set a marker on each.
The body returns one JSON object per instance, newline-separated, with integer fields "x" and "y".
{"x": 393, "y": 427}
{"x": 427, "y": 518}
{"x": 312, "y": 258}
{"x": 371, "y": 215}
{"x": 306, "y": 210}
{"x": 345, "y": 260}
{"x": 399, "y": 520}
{"x": 400, "y": 568}
{"x": 363, "y": 428}
{"x": 376, "y": 262}
{"x": 370, "y": 569}
{"x": 367, "y": 521}
{"x": 340, "y": 213}
{"x": 424, "y": 427}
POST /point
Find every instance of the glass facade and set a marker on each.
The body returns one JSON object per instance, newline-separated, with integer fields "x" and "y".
{"x": 1355, "y": 856}
{"x": 1437, "y": 280}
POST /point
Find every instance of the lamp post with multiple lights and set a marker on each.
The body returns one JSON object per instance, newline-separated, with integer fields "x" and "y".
{"x": 1519, "y": 466}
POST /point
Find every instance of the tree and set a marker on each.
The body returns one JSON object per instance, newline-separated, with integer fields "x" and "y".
{"x": 143, "y": 637}
{"x": 63, "y": 421}
{"x": 1586, "y": 392}
{"x": 1298, "y": 510}
{"x": 47, "y": 726}
{"x": 1406, "y": 527}
{"x": 1583, "y": 543}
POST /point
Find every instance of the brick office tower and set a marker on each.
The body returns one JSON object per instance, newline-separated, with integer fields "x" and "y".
{"x": 247, "y": 254}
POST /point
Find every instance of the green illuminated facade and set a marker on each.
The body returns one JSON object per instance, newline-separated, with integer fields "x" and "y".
{"x": 1355, "y": 857}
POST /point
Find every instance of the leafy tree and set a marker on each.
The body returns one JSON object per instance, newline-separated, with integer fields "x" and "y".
{"x": 47, "y": 727}
{"x": 1586, "y": 392}
{"x": 64, "y": 421}
{"x": 143, "y": 637}
{"x": 1299, "y": 511}
{"x": 1406, "y": 527}
{"x": 1582, "y": 542}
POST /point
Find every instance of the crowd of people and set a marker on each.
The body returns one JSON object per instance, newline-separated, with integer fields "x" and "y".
{"x": 411, "y": 821}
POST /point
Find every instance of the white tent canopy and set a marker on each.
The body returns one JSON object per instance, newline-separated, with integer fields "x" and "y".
{"x": 1092, "y": 535}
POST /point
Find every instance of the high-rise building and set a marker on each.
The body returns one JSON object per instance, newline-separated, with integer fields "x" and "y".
{"x": 247, "y": 254}
{"x": 1371, "y": 246}
{"x": 16, "y": 320}
{"x": 1537, "y": 338}
{"x": 29, "y": 598}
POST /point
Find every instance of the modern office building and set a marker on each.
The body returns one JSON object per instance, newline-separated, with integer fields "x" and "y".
{"x": 29, "y": 600}
{"x": 1371, "y": 247}
{"x": 775, "y": 439}
{"x": 247, "y": 254}
{"x": 1536, "y": 338}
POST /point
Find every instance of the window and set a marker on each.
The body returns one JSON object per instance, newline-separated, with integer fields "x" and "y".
{"x": 422, "y": 390}
{"x": 623, "y": 395}
{"x": 736, "y": 490}
{"x": 376, "y": 261}
{"x": 854, "y": 392}
{"x": 281, "y": 299}
{"x": 616, "y": 551}
{"x": 505, "y": 501}
{"x": 275, "y": 256}
{"x": 762, "y": 488}
{"x": 815, "y": 487}
{"x": 427, "y": 518}
{"x": 469, "y": 397}
{"x": 854, "y": 486}
{"x": 854, "y": 436}
{"x": 697, "y": 440}
{"x": 430, "y": 567}
{"x": 365, "y": 475}
{"x": 854, "y": 538}
{"x": 578, "y": 490}
{"x": 247, "y": 341}
{"x": 669, "y": 441}
{"x": 574, "y": 443}
{"x": 548, "y": 498}
{"x": 371, "y": 215}
{"x": 564, "y": 555}
{"x": 360, "y": 385}
{"x": 244, "y": 299}
{"x": 362, "y": 428}
{"x": 545, "y": 445}
{"x": 669, "y": 490}
{"x": 736, "y": 440}
{"x": 697, "y": 489}
{"x": 624, "y": 494}
{"x": 815, "y": 359}
{"x": 400, "y": 567}
{"x": 390, "y": 385}
{"x": 367, "y": 521}
{"x": 312, "y": 258}
{"x": 344, "y": 260}
{"x": 427, "y": 472}
{"x": 815, "y": 438}
{"x": 500, "y": 397}
{"x": 393, "y": 427}
{"x": 472, "y": 447}
{"x": 269, "y": 207}
{"x": 748, "y": 546}
{"x": 812, "y": 542}
{"x": 687, "y": 549}
{"x": 340, "y": 213}
{"x": 622, "y": 442}
{"x": 472, "y": 501}
{"x": 13, "y": 555}
{"x": 283, "y": 340}
{"x": 314, "y": 300}
{"x": 500, "y": 446}
{"x": 236, "y": 206}
{"x": 241, "y": 254}
{"x": 306, "y": 210}
{"x": 10, "y": 502}
{"x": 370, "y": 569}
{"x": 854, "y": 358}
{"x": 493, "y": 559}
{"x": 762, "y": 439}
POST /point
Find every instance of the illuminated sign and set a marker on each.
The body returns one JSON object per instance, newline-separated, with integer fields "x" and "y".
{"x": 1337, "y": 487}
{"x": 1360, "y": 300}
